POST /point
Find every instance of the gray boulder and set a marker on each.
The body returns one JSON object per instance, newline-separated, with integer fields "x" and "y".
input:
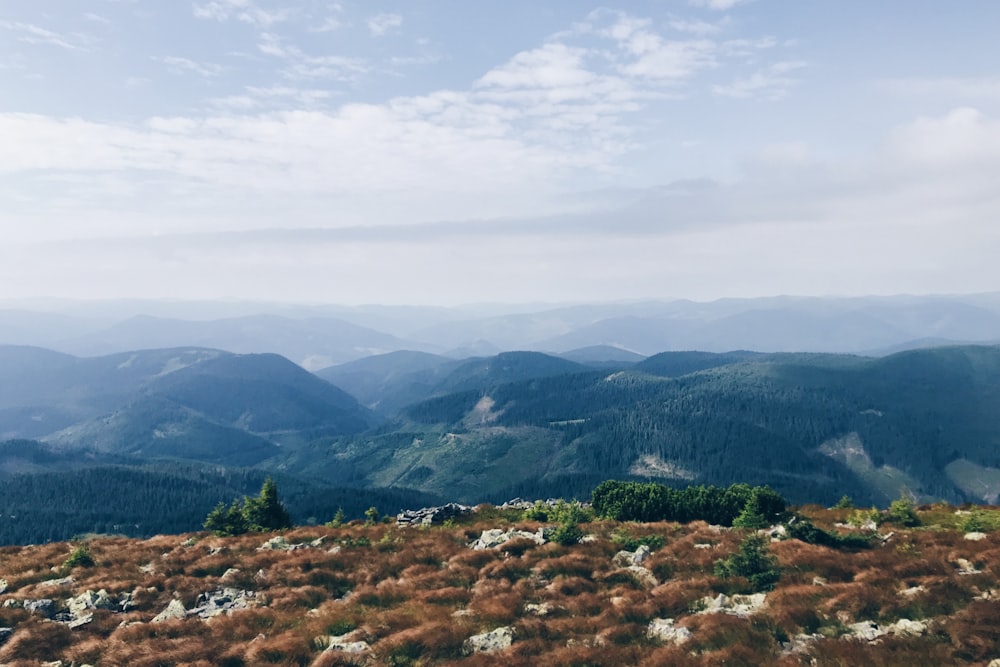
{"x": 174, "y": 611}
{"x": 489, "y": 642}
{"x": 665, "y": 630}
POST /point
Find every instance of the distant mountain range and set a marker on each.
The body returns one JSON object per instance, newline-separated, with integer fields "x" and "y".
{"x": 420, "y": 424}
{"x": 321, "y": 336}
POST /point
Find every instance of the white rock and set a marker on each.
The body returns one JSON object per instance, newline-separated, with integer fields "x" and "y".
{"x": 737, "y": 605}
{"x": 344, "y": 645}
{"x": 489, "y": 642}
{"x": 908, "y": 628}
{"x": 975, "y": 536}
{"x": 910, "y": 592}
{"x": 540, "y": 609}
{"x": 173, "y": 611}
{"x": 643, "y": 576}
{"x": 637, "y": 557}
{"x": 665, "y": 630}
{"x": 866, "y": 630}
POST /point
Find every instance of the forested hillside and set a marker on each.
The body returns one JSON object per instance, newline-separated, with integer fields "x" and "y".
{"x": 812, "y": 426}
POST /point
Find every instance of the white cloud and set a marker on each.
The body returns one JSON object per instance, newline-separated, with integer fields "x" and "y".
{"x": 97, "y": 18}
{"x": 382, "y": 24}
{"x": 301, "y": 65}
{"x": 954, "y": 89}
{"x": 648, "y": 55}
{"x": 242, "y": 10}
{"x": 697, "y": 27}
{"x": 34, "y": 34}
{"x": 717, "y": 5}
{"x": 179, "y": 65}
{"x": 771, "y": 82}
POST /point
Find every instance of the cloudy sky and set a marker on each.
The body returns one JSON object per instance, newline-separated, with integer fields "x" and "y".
{"x": 454, "y": 151}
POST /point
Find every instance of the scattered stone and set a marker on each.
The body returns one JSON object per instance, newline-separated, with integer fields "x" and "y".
{"x": 643, "y": 576}
{"x": 965, "y": 567}
{"x": 78, "y": 621}
{"x": 175, "y": 610}
{"x": 8, "y": 604}
{"x": 702, "y": 545}
{"x": 489, "y": 642}
{"x": 344, "y": 645}
{"x": 588, "y": 539}
{"x": 800, "y": 643}
{"x": 429, "y": 516}
{"x": 189, "y": 542}
{"x": 907, "y": 628}
{"x": 666, "y": 631}
{"x": 910, "y": 592}
{"x": 540, "y": 609}
{"x": 637, "y": 557}
{"x": 89, "y": 601}
{"x": 819, "y": 581}
{"x": 229, "y": 574}
{"x": 223, "y": 601}
{"x": 279, "y": 543}
{"x": 149, "y": 568}
{"x": 276, "y": 543}
{"x": 776, "y": 532}
{"x": 43, "y": 607}
{"x": 975, "y": 536}
{"x": 995, "y": 662}
{"x": 866, "y": 630}
{"x": 737, "y": 605}
{"x": 494, "y": 537}
{"x": 3, "y": 586}
{"x": 64, "y": 581}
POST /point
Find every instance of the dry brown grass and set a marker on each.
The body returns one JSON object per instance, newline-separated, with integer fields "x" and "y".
{"x": 415, "y": 595}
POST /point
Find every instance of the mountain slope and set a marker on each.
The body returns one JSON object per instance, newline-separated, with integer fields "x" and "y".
{"x": 813, "y": 426}
{"x": 189, "y": 403}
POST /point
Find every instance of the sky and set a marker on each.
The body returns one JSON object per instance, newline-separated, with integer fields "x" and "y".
{"x": 461, "y": 151}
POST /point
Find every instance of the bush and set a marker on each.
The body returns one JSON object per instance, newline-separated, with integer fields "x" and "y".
{"x": 263, "y": 513}
{"x": 639, "y": 501}
{"x": 753, "y": 562}
{"x": 81, "y": 557}
{"x": 901, "y": 512}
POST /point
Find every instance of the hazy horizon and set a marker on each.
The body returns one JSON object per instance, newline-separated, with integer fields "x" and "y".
{"x": 460, "y": 154}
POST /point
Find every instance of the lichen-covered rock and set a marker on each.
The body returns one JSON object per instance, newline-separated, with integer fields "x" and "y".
{"x": 175, "y": 610}
{"x": 737, "y": 605}
{"x": 494, "y": 537}
{"x": 643, "y": 576}
{"x": 907, "y": 628}
{"x": 344, "y": 644}
{"x": 637, "y": 557}
{"x": 866, "y": 631}
{"x": 665, "y": 630}
{"x": 489, "y": 642}
{"x": 432, "y": 515}
{"x": 223, "y": 601}
{"x": 43, "y": 607}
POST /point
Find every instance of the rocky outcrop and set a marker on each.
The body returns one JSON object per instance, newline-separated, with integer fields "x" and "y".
{"x": 174, "y": 611}
{"x": 279, "y": 543}
{"x": 666, "y": 631}
{"x": 494, "y": 537}
{"x": 344, "y": 644}
{"x": 489, "y": 642}
{"x": 737, "y": 605}
{"x": 432, "y": 516}
{"x": 637, "y": 557}
{"x": 223, "y": 601}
